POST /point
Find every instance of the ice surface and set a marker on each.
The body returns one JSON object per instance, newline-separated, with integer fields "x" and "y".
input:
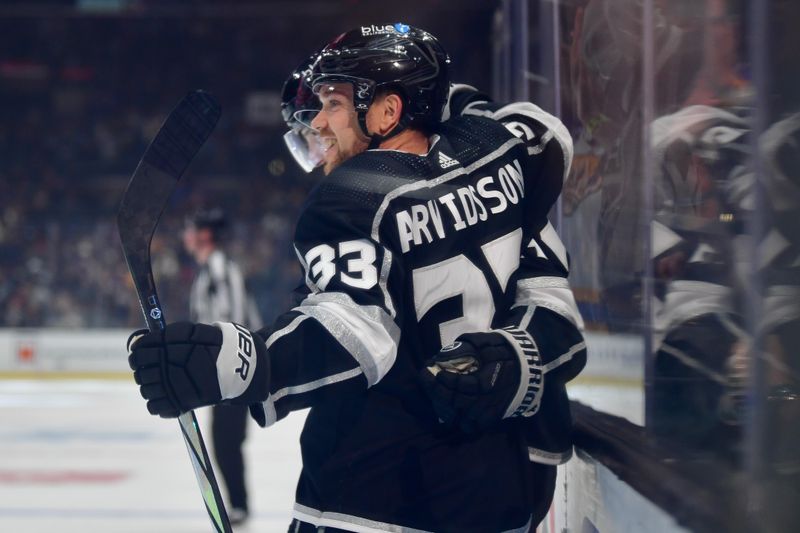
{"x": 78, "y": 456}
{"x": 85, "y": 456}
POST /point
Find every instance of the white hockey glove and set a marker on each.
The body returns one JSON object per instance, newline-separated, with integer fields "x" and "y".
{"x": 192, "y": 365}
{"x": 483, "y": 378}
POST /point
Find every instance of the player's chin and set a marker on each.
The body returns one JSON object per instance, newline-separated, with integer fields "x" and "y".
{"x": 332, "y": 160}
{"x": 329, "y": 166}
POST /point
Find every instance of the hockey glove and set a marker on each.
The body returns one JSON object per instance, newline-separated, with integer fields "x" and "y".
{"x": 484, "y": 377}
{"x": 192, "y": 365}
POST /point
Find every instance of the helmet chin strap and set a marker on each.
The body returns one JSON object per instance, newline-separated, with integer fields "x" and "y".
{"x": 375, "y": 139}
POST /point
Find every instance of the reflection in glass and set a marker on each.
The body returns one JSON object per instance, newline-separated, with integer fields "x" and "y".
{"x": 718, "y": 255}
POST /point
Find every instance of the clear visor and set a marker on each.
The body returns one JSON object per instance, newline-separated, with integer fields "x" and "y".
{"x": 305, "y": 146}
{"x": 304, "y": 117}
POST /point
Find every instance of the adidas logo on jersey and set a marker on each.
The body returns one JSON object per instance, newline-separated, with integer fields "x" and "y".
{"x": 446, "y": 162}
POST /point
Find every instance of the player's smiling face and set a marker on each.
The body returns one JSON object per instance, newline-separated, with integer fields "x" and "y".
{"x": 337, "y": 124}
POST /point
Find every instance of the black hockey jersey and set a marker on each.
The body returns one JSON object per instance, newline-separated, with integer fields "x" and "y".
{"x": 401, "y": 254}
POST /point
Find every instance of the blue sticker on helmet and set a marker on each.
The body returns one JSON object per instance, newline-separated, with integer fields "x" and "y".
{"x": 402, "y": 28}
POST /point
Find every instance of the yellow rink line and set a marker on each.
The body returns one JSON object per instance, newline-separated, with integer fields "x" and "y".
{"x": 607, "y": 381}
{"x": 55, "y": 375}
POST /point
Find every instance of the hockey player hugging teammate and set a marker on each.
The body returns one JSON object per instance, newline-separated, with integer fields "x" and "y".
{"x": 436, "y": 329}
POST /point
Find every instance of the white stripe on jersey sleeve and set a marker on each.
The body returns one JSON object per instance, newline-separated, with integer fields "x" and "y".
{"x": 271, "y": 414}
{"x": 534, "y": 112}
{"x": 473, "y": 108}
{"x": 549, "y": 458}
{"x": 456, "y": 88}
{"x": 564, "y": 357}
{"x": 556, "y": 129}
{"x": 550, "y": 238}
{"x": 367, "y": 332}
{"x": 383, "y": 280}
{"x": 323, "y": 519}
{"x": 552, "y": 293}
{"x": 285, "y": 330}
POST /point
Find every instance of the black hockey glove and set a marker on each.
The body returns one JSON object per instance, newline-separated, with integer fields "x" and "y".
{"x": 192, "y": 365}
{"x": 484, "y": 377}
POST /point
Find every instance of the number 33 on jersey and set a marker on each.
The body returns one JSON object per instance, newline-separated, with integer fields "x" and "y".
{"x": 359, "y": 264}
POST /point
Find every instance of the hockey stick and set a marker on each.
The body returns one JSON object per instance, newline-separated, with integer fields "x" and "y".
{"x": 169, "y": 154}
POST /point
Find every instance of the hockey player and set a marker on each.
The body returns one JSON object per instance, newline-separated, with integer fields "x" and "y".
{"x": 548, "y": 435}
{"x": 218, "y": 293}
{"x": 436, "y": 329}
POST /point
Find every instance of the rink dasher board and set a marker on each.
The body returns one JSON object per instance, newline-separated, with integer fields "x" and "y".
{"x": 61, "y": 350}
{"x": 589, "y": 498}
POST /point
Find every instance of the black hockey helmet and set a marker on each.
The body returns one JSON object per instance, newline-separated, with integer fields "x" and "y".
{"x": 301, "y": 140}
{"x": 213, "y": 219}
{"x": 394, "y": 56}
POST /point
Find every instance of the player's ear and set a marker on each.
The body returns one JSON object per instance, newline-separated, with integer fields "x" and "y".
{"x": 390, "y": 109}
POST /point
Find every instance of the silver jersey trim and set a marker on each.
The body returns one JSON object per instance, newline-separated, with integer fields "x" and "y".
{"x": 563, "y": 358}
{"x": 286, "y": 330}
{"x": 553, "y": 124}
{"x": 550, "y": 294}
{"x": 549, "y": 282}
{"x": 357, "y": 524}
{"x": 367, "y": 332}
{"x": 549, "y": 458}
{"x": 271, "y": 414}
{"x": 386, "y": 268}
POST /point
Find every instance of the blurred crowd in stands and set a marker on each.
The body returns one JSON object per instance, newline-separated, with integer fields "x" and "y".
{"x": 82, "y": 95}
{"x": 81, "y": 100}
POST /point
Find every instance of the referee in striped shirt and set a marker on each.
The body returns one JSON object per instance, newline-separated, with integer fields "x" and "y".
{"x": 218, "y": 294}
